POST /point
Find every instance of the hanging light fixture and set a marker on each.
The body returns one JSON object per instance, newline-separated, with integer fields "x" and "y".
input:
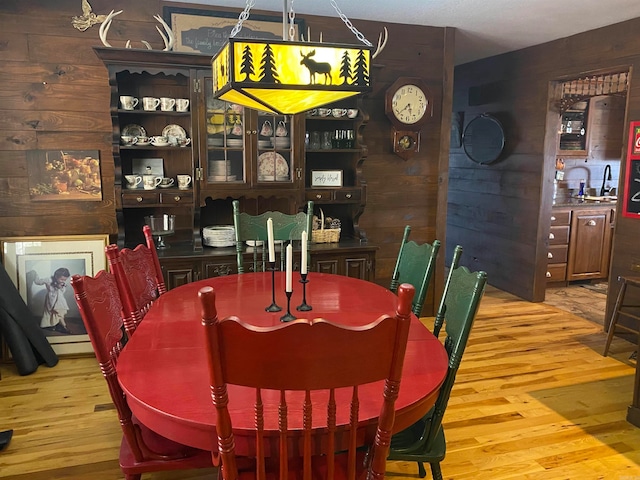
{"x": 287, "y": 76}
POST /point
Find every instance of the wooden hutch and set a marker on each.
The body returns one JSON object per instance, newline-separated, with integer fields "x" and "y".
{"x": 232, "y": 153}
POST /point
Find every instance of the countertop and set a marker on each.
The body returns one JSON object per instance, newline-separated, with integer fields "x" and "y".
{"x": 609, "y": 202}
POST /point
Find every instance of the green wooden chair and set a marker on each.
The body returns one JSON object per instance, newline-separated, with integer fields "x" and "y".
{"x": 415, "y": 265}
{"x": 424, "y": 441}
{"x": 440, "y": 314}
{"x": 254, "y": 228}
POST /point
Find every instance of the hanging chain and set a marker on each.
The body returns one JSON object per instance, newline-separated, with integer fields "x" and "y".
{"x": 243, "y": 16}
{"x": 292, "y": 27}
{"x": 349, "y": 25}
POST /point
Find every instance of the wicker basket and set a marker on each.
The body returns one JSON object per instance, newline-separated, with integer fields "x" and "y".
{"x": 328, "y": 235}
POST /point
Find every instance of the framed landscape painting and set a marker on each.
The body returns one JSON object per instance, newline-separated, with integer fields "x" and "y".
{"x": 206, "y": 31}
{"x": 41, "y": 269}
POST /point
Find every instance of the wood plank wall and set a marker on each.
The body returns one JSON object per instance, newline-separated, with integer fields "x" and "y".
{"x": 501, "y": 212}
{"x": 54, "y": 94}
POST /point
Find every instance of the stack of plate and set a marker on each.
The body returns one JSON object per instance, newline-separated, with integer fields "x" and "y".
{"x": 264, "y": 143}
{"x": 234, "y": 142}
{"x": 219, "y": 236}
{"x": 219, "y": 167}
{"x": 281, "y": 142}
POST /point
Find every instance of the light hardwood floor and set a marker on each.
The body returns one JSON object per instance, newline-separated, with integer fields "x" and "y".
{"x": 534, "y": 399}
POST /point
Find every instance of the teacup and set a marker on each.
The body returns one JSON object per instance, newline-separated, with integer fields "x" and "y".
{"x": 183, "y": 142}
{"x": 267, "y": 129}
{"x": 143, "y": 140}
{"x": 352, "y": 112}
{"x": 339, "y": 112}
{"x": 281, "y": 129}
{"x": 167, "y": 104}
{"x": 182, "y": 104}
{"x": 133, "y": 180}
{"x": 166, "y": 182}
{"x": 149, "y": 182}
{"x": 159, "y": 141}
{"x": 127, "y": 102}
{"x": 128, "y": 140}
{"x": 184, "y": 181}
{"x": 150, "y": 103}
{"x": 324, "y": 112}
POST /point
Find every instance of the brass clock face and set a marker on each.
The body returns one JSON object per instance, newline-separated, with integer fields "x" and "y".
{"x": 409, "y": 104}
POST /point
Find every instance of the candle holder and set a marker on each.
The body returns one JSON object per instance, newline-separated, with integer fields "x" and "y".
{"x": 304, "y": 307}
{"x": 274, "y": 306}
{"x": 287, "y": 317}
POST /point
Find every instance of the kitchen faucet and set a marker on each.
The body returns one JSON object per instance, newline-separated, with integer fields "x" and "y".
{"x": 605, "y": 178}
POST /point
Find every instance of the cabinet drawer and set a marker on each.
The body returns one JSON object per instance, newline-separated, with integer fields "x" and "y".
{"x": 560, "y": 218}
{"x": 140, "y": 198}
{"x": 557, "y": 272}
{"x": 319, "y": 195}
{"x": 348, "y": 195}
{"x": 558, "y": 254}
{"x": 559, "y": 235}
{"x": 176, "y": 198}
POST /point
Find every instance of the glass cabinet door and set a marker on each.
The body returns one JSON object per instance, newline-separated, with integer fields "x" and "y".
{"x": 225, "y": 128}
{"x": 275, "y": 161}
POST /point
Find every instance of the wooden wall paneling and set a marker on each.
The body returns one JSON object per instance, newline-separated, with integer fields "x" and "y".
{"x": 21, "y": 72}
{"x": 526, "y": 75}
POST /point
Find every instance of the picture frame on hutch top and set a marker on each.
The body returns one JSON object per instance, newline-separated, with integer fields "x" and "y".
{"x": 206, "y": 31}
{"x": 41, "y": 269}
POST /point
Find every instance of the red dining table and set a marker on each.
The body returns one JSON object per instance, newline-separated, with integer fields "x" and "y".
{"x": 163, "y": 368}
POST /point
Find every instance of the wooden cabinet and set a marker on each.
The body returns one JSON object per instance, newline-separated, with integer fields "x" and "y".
{"x": 558, "y": 245}
{"x": 155, "y": 74}
{"x": 579, "y": 243}
{"x": 573, "y": 139}
{"x": 590, "y": 245}
{"x": 265, "y": 161}
{"x": 348, "y": 258}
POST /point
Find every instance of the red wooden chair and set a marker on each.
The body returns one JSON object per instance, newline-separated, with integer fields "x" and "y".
{"x": 139, "y": 278}
{"x": 141, "y": 450}
{"x": 291, "y": 363}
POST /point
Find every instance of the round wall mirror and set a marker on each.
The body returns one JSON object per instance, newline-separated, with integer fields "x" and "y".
{"x": 483, "y": 139}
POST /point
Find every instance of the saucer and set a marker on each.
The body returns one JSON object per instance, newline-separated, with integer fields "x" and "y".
{"x": 165, "y": 144}
{"x": 165, "y": 186}
{"x": 143, "y": 144}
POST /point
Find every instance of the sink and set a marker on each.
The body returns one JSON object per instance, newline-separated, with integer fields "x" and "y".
{"x": 593, "y": 198}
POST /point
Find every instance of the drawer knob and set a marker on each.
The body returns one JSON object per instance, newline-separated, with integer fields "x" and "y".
{"x": 177, "y": 198}
{"x": 139, "y": 199}
{"x": 548, "y": 274}
{"x": 318, "y": 196}
{"x": 591, "y": 223}
{"x": 553, "y": 219}
{"x": 551, "y": 236}
{"x": 549, "y": 255}
{"x": 348, "y": 195}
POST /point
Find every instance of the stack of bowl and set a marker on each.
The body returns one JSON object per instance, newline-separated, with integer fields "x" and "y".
{"x": 281, "y": 142}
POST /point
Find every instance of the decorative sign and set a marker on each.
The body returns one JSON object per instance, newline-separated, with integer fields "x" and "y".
{"x": 631, "y": 199}
{"x": 326, "y": 178}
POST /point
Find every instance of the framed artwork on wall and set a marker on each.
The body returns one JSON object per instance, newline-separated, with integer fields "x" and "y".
{"x": 206, "y": 31}
{"x": 64, "y": 175}
{"x": 41, "y": 269}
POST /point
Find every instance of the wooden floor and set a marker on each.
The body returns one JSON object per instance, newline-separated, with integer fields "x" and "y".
{"x": 534, "y": 399}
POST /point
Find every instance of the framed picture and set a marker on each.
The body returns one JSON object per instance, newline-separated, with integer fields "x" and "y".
{"x": 41, "y": 268}
{"x": 206, "y": 31}
{"x": 326, "y": 178}
{"x": 64, "y": 175}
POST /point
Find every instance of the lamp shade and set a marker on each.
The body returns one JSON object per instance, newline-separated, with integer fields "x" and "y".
{"x": 289, "y": 77}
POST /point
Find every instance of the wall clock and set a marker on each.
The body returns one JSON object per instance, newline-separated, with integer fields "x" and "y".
{"x": 409, "y": 105}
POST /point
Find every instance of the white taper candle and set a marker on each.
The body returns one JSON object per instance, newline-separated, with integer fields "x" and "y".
{"x": 289, "y": 287}
{"x": 272, "y": 247}
{"x": 303, "y": 265}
